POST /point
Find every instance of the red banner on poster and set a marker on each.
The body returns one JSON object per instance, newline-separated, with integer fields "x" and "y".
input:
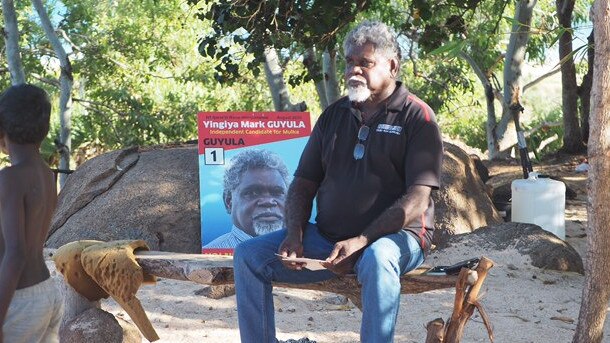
{"x": 232, "y": 130}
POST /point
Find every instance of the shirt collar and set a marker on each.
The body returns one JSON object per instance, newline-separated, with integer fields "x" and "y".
{"x": 239, "y": 233}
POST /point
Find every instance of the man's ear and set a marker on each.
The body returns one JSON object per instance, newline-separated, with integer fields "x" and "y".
{"x": 228, "y": 200}
{"x": 394, "y": 67}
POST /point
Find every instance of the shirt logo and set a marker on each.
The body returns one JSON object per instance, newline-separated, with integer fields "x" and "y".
{"x": 385, "y": 128}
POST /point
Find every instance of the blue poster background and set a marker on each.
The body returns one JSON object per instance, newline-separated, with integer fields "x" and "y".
{"x": 215, "y": 221}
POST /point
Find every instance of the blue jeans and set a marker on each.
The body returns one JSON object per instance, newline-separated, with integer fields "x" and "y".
{"x": 378, "y": 270}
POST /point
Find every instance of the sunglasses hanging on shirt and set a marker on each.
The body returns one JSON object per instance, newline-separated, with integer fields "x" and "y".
{"x": 363, "y": 134}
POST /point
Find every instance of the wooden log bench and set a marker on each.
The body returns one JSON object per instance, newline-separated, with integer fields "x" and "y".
{"x": 216, "y": 270}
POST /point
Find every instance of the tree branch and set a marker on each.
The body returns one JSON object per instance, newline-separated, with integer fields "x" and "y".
{"x": 475, "y": 67}
{"x": 139, "y": 72}
{"x": 65, "y": 36}
{"x": 540, "y": 78}
{"x": 83, "y": 101}
{"x": 52, "y": 82}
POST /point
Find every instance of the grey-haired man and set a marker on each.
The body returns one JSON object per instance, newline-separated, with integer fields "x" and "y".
{"x": 372, "y": 161}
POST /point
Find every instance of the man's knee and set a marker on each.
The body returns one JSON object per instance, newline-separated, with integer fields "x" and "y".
{"x": 379, "y": 259}
{"x": 253, "y": 251}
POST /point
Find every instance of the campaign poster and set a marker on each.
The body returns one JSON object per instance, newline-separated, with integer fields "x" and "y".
{"x": 237, "y": 204}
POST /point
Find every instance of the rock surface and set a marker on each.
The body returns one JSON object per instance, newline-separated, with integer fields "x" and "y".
{"x": 151, "y": 195}
{"x": 98, "y": 326}
{"x": 543, "y": 248}
{"x": 462, "y": 204}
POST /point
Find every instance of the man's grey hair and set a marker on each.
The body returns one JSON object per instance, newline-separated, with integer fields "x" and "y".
{"x": 252, "y": 159}
{"x": 377, "y": 33}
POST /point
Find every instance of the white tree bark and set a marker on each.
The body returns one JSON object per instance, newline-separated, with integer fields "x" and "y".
{"x": 329, "y": 67}
{"x": 309, "y": 60}
{"x": 596, "y": 291}
{"x": 275, "y": 80}
{"x": 490, "y": 127}
{"x": 513, "y": 66}
{"x": 492, "y": 94}
{"x": 65, "y": 82}
{"x": 11, "y": 41}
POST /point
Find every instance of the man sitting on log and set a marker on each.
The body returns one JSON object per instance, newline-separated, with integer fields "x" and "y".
{"x": 373, "y": 159}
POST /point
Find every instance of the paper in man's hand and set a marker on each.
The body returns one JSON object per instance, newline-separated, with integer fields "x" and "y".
{"x": 310, "y": 263}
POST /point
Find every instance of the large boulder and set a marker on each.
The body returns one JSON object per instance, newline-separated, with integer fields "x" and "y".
{"x": 506, "y": 242}
{"x": 462, "y": 203}
{"x": 153, "y": 195}
{"x": 98, "y": 326}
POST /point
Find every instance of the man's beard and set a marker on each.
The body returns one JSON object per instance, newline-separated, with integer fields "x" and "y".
{"x": 358, "y": 92}
{"x": 263, "y": 227}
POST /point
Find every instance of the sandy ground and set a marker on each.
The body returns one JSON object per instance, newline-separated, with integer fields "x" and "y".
{"x": 524, "y": 303}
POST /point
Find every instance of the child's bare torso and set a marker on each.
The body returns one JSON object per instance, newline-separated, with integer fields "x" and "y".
{"x": 33, "y": 184}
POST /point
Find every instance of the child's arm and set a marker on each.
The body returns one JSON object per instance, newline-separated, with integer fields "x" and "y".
{"x": 12, "y": 220}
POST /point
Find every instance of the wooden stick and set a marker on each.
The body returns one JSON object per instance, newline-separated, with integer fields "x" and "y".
{"x": 468, "y": 286}
{"x": 460, "y": 294}
{"x": 436, "y": 331}
{"x": 484, "y": 265}
{"x": 455, "y": 326}
{"x": 486, "y": 320}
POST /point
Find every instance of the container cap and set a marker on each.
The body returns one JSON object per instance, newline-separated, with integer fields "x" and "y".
{"x": 533, "y": 175}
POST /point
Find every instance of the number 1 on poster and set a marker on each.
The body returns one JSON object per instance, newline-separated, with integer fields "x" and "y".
{"x": 214, "y": 156}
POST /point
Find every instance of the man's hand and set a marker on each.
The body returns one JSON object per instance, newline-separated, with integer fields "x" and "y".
{"x": 292, "y": 246}
{"x": 343, "y": 258}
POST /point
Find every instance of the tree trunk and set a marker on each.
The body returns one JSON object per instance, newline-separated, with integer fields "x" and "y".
{"x": 584, "y": 91}
{"x": 513, "y": 66}
{"x": 572, "y": 139}
{"x": 314, "y": 70}
{"x": 493, "y": 147}
{"x": 492, "y": 142}
{"x": 277, "y": 86}
{"x": 596, "y": 291}
{"x": 65, "y": 84}
{"x": 11, "y": 41}
{"x": 329, "y": 64}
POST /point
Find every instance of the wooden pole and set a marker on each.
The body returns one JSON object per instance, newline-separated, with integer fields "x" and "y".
{"x": 466, "y": 300}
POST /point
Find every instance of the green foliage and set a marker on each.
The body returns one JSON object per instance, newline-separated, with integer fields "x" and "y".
{"x": 143, "y": 69}
{"x": 543, "y": 116}
{"x": 547, "y": 131}
{"x": 138, "y": 77}
{"x": 443, "y": 86}
{"x": 435, "y": 69}
{"x": 544, "y": 32}
{"x": 467, "y": 125}
{"x": 289, "y": 26}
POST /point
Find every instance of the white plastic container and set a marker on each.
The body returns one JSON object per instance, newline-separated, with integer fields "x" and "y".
{"x": 540, "y": 201}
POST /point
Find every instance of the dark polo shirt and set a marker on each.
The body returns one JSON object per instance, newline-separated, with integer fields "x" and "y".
{"x": 403, "y": 148}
